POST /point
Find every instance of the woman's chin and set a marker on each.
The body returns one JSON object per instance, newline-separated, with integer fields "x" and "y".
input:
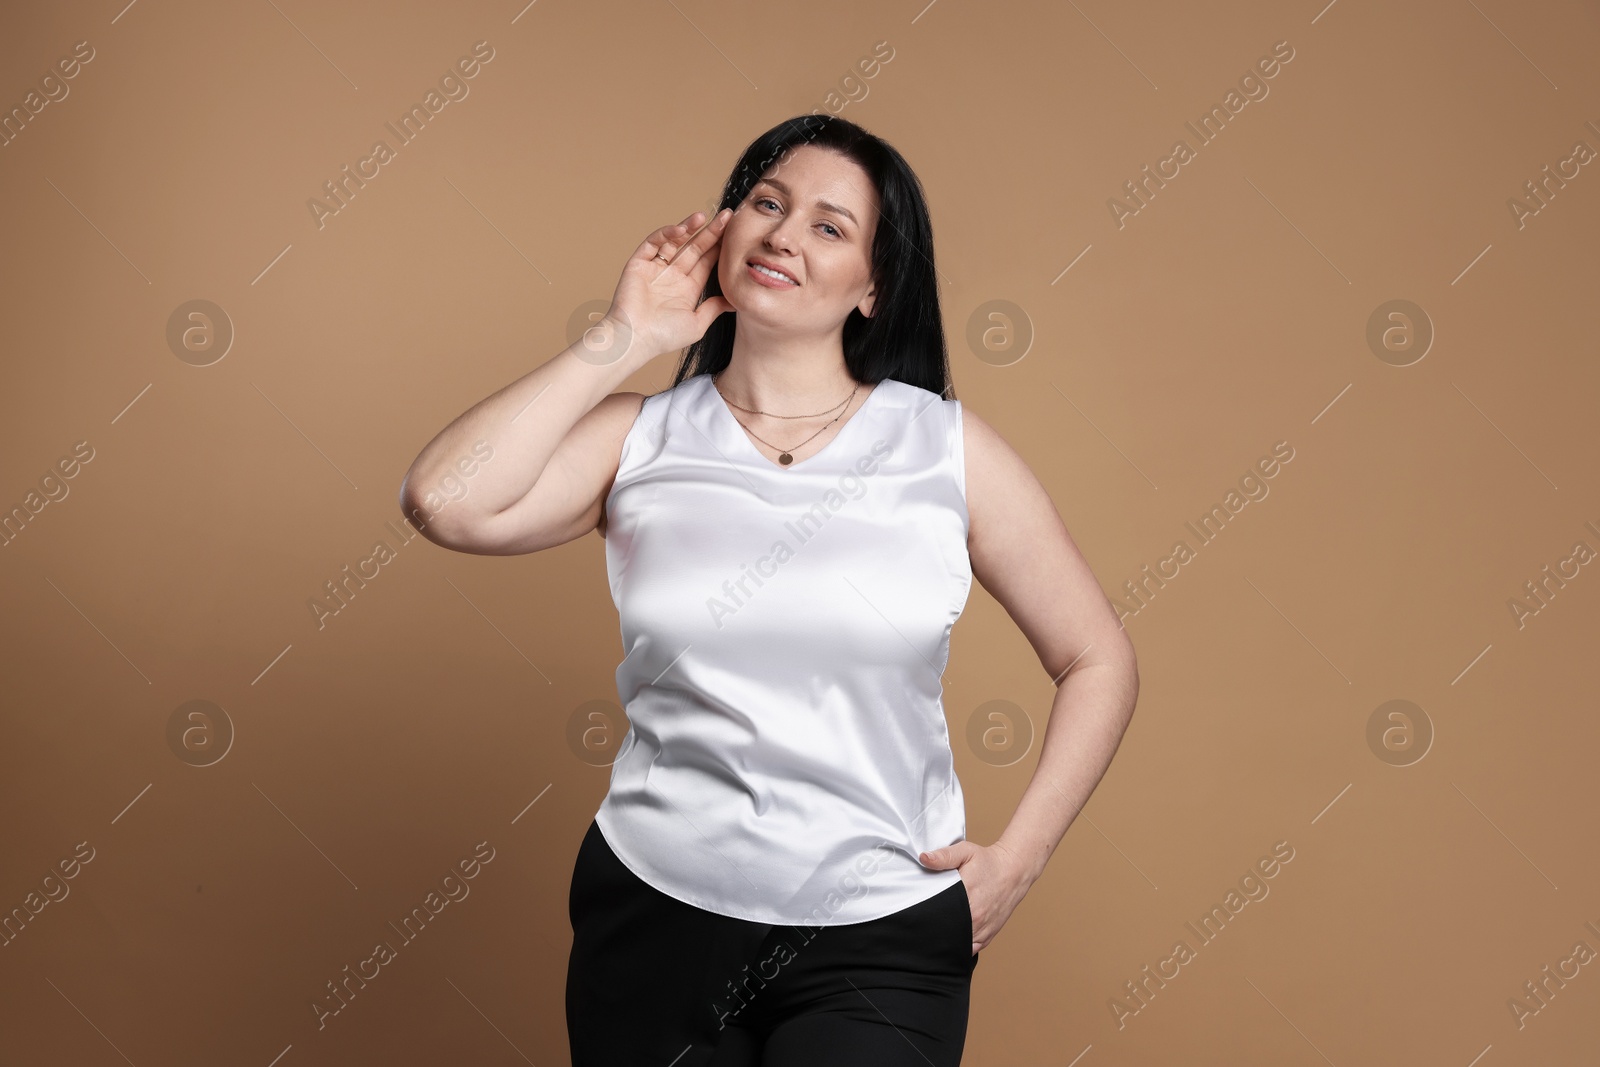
{"x": 751, "y": 311}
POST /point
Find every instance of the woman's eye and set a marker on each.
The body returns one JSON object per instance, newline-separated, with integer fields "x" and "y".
{"x": 833, "y": 230}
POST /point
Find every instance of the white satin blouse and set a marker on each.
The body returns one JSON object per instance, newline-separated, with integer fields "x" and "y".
{"x": 785, "y": 630}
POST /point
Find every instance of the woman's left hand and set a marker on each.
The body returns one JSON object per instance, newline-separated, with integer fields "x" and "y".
{"x": 997, "y": 879}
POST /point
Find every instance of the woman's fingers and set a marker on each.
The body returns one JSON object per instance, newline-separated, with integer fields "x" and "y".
{"x": 708, "y": 257}
{"x": 693, "y": 254}
{"x": 666, "y": 240}
{"x": 677, "y": 235}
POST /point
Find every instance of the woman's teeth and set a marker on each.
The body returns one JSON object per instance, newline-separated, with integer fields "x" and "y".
{"x": 774, "y": 274}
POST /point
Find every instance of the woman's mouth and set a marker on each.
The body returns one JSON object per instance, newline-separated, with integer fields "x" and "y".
{"x": 770, "y": 278}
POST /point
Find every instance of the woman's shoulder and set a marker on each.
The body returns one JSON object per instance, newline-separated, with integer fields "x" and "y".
{"x": 897, "y": 393}
{"x": 674, "y": 394}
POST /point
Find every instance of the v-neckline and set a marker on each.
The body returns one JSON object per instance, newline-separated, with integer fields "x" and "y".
{"x": 744, "y": 436}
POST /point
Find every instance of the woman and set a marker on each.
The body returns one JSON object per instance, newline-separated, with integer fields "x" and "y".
{"x": 779, "y": 872}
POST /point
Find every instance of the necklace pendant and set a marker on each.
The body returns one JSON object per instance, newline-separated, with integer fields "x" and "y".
{"x": 785, "y": 459}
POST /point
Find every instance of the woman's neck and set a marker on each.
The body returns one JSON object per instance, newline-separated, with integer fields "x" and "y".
{"x": 779, "y": 386}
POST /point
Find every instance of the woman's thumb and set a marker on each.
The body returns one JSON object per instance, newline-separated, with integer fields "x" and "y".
{"x": 713, "y": 308}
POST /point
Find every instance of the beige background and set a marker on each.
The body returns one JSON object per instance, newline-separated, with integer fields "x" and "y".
{"x": 361, "y": 760}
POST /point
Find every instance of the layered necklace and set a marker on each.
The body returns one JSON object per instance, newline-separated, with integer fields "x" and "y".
{"x": 786, "y": 456}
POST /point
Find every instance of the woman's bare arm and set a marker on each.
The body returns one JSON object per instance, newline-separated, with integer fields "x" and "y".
{"x": 552, "y": 437}
{"x": 1022, "y": 554}
{"x": 529, "y": 467}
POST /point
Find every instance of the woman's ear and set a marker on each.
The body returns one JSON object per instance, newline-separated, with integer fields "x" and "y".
{"x": 865, "y": 307}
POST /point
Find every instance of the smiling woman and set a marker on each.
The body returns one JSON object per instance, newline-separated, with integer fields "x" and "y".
{"x": 787, "y": 730}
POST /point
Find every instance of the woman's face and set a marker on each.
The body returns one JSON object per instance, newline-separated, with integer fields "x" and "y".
{"x": 812, "y": 216}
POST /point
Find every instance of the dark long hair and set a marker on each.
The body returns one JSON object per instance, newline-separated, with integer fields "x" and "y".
{"x": 904, "y": 338}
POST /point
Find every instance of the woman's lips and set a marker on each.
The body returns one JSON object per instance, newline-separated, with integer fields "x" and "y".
{"x": 768, "y": 280}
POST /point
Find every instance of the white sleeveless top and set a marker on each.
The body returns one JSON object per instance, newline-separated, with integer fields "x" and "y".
{"x": 785, "y": 631}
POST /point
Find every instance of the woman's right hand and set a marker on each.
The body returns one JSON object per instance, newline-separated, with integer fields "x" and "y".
{"x": 656, "y": 306}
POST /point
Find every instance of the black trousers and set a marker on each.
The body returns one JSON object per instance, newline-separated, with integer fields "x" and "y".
{"x": 655, "y": 982}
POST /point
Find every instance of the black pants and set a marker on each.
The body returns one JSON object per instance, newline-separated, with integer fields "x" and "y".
{"x": 655, "y": 982}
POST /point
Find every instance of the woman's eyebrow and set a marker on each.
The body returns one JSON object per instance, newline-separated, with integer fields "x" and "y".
{"x": 825, "y": 205}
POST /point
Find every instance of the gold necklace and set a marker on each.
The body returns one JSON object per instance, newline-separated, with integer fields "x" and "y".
{"x": 786, "y": 456}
